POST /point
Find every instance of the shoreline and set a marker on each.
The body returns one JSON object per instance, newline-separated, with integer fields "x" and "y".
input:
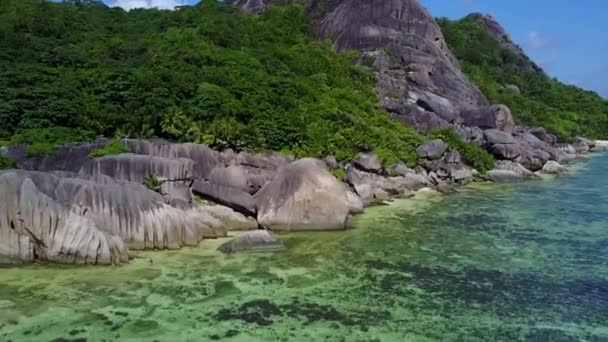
{"x": 208, "y": 248}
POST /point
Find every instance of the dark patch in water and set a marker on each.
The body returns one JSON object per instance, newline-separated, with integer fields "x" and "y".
{"x": 501, "y": 293}
{"x": 262, "y": 312}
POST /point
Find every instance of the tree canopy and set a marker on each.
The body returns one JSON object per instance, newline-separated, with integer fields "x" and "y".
{"x": 206, "y": 73}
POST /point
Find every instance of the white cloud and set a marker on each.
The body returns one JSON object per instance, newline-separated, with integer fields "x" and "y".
{"x": 536, "y": 40}
{"x": 160, "y": 4}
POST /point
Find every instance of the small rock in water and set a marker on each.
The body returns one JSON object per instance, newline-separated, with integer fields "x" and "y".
{"x": 257, "y": 240}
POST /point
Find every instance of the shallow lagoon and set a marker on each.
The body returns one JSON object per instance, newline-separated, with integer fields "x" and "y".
{"x": 525, "y": 262}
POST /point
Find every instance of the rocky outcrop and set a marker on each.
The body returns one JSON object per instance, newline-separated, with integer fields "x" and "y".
{"x": 375, "y": 188}
{"x": 75, "y": 218}
{"x": 509, "y": 171}
{"x": 137, "y": 168}
{"x": 502, "y": 144}
{"x": 554, "y": 168}
{"x": 419, "y": 81}
{"x": 304, "y": 196}
{"x": 368, "y": 162}
{"x": 493, "y": 117}
{"x": 433, "y": 149}
{"x": 232, "y": 197}
{"x": 254, "y": 241}
{"x": 204, "y": 158}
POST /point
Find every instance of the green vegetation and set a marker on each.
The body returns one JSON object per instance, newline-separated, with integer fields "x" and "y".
{"x": 114, "y": 146}
{"x": 153, "y": 183}
{"x": 339, "y": 173}
{"x": 42, "y": 141}
{"x": 207, "y": 73}
{"x": 565, "y": 110}
{"x": 7, "y": 163}
{"x": 476, "y": 157}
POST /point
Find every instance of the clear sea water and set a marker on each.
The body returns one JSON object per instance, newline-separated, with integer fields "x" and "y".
{"x": 525, "y": 262}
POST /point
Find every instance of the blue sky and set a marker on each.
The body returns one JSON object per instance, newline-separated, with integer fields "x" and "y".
{"x": 567, "y": 38}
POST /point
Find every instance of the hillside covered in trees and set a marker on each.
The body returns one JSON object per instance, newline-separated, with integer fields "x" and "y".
{"x": 213, "y": 74}
{"x": 537, "y": 100}
{"x": 207, "y": 73}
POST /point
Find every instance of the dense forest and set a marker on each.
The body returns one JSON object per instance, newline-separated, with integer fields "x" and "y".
{"x": 212, "y": 74}
{"x": 537, "y": 99}
{"x": 207, "y": 73}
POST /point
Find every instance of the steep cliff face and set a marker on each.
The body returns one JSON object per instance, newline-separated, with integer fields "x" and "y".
{"x": 419, "y": 80}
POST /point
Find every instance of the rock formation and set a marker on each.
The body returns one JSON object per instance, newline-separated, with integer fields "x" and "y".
{"x": 304, "y": 196}
{"x": 253, "y": 241}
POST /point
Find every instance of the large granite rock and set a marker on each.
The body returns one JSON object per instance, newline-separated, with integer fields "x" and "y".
{"x": 74, "y": 218}
{"x": 254, "y": 241}
{"x": 229, "y": 196}
{"x": 375, "y": 188}
{"x": 433, "y": 149}
{"x": 502, "y": 144}
{"x": 204, "y": 158}
{"x": 304, "y": 196}
{"x": 492, "y": 117}
{"x": 419, "y": 80}
{"x": 137, "y": 168}
{"x": 554, "y": 168}
{"x": 368, "y": 162}
{"x": 509, "y": 171}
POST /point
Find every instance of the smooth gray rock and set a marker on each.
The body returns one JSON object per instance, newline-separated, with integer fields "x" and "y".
{"x": 581, "y": 147}
{"x": 230, "y": 219}
{"x": 229, "y": 196}
{"x": 374, "y": 188}
{"x": 504, "y": 176}
{"x": 204, "y": 158}
{"x": 495, "y": 136}
{"x": 502, "y": 144}
{"x": 253, "y": 241}
{"x": 304, "y": 196}
{"x": 419, "y": 80}
{"x": 74, "y": 218}
{"x": 234, "y": 176}
{"x": 368, "y": 162}
{"x": 433, "y": 149}
{"x": 137, "y": 168}
{"x": 542, "y": 134}
{"x": 509, "y": 171}
{"x": 492, "y": 117}
{"x": 399, "y": 169}
{"x": 554, "y": 168}
{"x": 472, "y": 135}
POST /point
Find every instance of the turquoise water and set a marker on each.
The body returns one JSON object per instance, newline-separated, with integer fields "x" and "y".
{"x": 522, "y": 262}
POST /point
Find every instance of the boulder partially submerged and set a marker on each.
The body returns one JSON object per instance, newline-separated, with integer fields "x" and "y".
{"x": 253, "y": 241}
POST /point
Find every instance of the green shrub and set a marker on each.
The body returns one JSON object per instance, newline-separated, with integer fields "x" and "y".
{"x": 113, "y": 147}
{"x": 42, "y": 141}
{"x": 339, "y": 173}
{"x": 7, "y": 163}
{"x": 474, "y": 156}
{"x": 152, "y": 182}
